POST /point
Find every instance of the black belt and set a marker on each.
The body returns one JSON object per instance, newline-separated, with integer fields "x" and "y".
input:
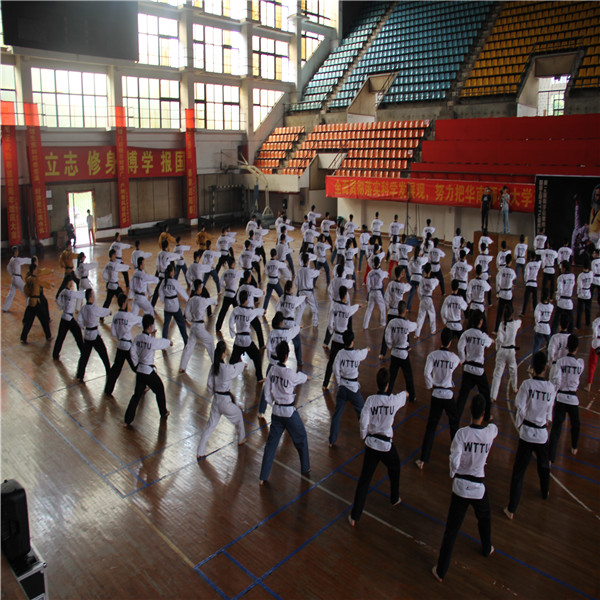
{"x": 452, "y": 321}
{"x": 567, "y": 393}
{"x": 82, "y": 277}
{"x": 379, "y": 436}
{"x": 224, "y": 394}
{"x": 377, "y": 290}
{"x": 472, "y": 363}
{"x": 509, "y": 347}
{"x": 426, "y": 296}
{"x": 243, "y": 333}
{"x": 439, "y": 387}
{"x": 170, "y": 297}
{"x": 289, "y": 319}
{"x": 139, "y": 293}
{"x": 230, "y": 291}
{"x": 401, "y": 347}
{"x": 544, "y": 323}
{"x": 470, "y": 478}
{"x": 197, "y": 321}
{"x": 91, "y": 328}
{"x": 313, "y": 291}
{"x": 348, "y": 378}
{"x": 68, "y": 314}
{"x": 17, "y": 275}
{"x": 434, "y": 263}
{"x": 282, "y": 404}
{"x": 68, "y": 268}
{"x": 530, "y": 424}
{"x": 564, "y": 297}
{"x": 34, "y": 296}
{"x": 506, "y": 289}
{"x": 531, "y": 281}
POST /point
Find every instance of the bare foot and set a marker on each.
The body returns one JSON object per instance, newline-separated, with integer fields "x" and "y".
{"x": 420, "y": 464}
{"x": 508, "y": 513}
{"x": 166, "y": 415}
{"x": 588, "y": 387}
{"x": 182, "y": 370}
{"x": 381, "y": 357}
{"x": 200, "y": 456}
{"x": 261, "y": 416}
{"x": 492, "y": 551}
{"x": 573, "y": 451}
{"x": 434, "y": 572}
{"x": 242, "y": 442}
{"x": 331, "y": 445}
{"x": 262, "y": 482}
{"x": 351, "y": 521}
{"x": 398, "y": 502}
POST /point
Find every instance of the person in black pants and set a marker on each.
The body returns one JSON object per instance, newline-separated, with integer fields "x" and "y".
{"x": 486, "y": 201}
{"x": 468, "y": 456}
{"x": 34, "y": 290}
{"x": 335, "y": 346}
{"x": 398, "y": 333}
{"x": 376, "y": 428}
{"x": 142, "y": 354}
{"x": 66, "y": 301}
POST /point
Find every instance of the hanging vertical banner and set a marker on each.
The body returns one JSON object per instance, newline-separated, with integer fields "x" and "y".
{"x": 122, "y": 168}
{"x": 11, "y": 173}
{"x": 36, "y": 171}
{"x": 190, "y": 165}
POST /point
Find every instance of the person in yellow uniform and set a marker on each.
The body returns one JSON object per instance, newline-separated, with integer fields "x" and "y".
{"x": 65, "y": 260}
{"x": 202, "y": 237}
{"x": 34, "y": 286}
{"x": 165, "y": 235}
{"x": 594, "y": 226}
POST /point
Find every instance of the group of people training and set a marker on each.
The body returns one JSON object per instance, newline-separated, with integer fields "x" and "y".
{"x": 415, "y": 270}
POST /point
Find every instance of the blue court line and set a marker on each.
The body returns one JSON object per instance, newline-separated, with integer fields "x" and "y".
{"x": 257, "y": 580}
{"x": 109, "y": 452}
{"x": 63, "y": 437}
{"x": 213, "y": 585}
{"x": 282, "y": 508}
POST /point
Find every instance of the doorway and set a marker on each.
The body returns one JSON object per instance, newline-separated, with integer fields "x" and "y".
{"x": 79, "y": 204}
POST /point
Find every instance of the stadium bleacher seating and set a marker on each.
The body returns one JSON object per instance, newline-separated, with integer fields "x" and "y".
{"x": 524, "y": 29}
{"x": 338, "y": 62}
{"x": 276, "y": 148}
{"x": 511, "y": 149}
{"x": 425, "y": 43}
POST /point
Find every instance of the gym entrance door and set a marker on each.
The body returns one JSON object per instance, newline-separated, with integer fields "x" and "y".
{"x": 79, "y": 204}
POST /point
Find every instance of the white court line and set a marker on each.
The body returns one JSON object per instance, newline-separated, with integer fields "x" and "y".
{"x": 562, "y": 485}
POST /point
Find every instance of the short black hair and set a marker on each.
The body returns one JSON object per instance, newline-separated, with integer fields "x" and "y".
{"x": 572, "y": 343}
{"x": 282, "y": 350}
{"x": 348, "y": 337}
{"x": 383, "y": 378}
{"x": 477, "y": 406}
{"x": 539, "y": 362}
{"x": 147, "y": 320}
{"x": 446, "y": 336}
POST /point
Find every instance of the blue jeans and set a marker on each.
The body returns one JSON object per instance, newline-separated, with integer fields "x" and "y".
{"x": 344, "y": 395}
{"x": 295, "y": 427}
{"x": 324, "y": 265}
{"x": 180, "y": 323}
{"x": 271, "y": 287}
{"x": 215, "y": 277}
{"x": 538, "y": 340}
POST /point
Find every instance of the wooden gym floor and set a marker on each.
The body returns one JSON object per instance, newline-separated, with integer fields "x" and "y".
{"x": 122, "y": 513}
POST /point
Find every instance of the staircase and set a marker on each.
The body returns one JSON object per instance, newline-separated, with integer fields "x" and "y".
{"x": 458, "y": 84}
{"x": 366, "y": 46}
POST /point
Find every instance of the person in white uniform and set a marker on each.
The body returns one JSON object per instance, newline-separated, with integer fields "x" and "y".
{"x": 439, "y": 367}
{"x": 453, "y": 309}
{"x": 476, "y": 290}
{"x": 218, "y": 385}
{"x": 534, "y": 404}
{"x": 118, "y": 246}
{"x": 88, "y": 320}
{"x": 305, "y": 284}
{"x": 120, "y": 328}
{"x": 90, "y": 225}
{"x": 435, "y": 257}
{"x": 505, "y": 279}
{"x": 376, "y": 225}
{"x": 195, "y": 313}
{"x": 377, "y": 429}
{"x": 426, "y": 308}
{"x": 180, "y": 249}
{"x": 66, "y": 302}
{"x": 16, "y": 277}
{"x": 397, "y": 333}
{"x": 520, "y": 256}
{"x": 345, "y": 369}
{"x": 506, "y": 352}
{"x": 394, "y": 293}
{"x": 532, "y": 269}
{"x": 110, "y": 274}
{"x": 239, "y": 328}
{"x": 584, "y": 293}
{"x": 565, "y": 284}
{"x": 170, "y": 292}
{"x": 138, "y": 291}
{"x": 468, "y": 455}
{"x": 288, "y": 305}
{"x": 163, "y": 259}
{"x": 274, "y": 270}
{"x": 471, "y": 351}
{"x": 375, "y": 293}
{"x": 460, "y": 272}
{"x": 142, "y": 354}
{"x": 279, "y": 393}
{"x": 565, "y": 376}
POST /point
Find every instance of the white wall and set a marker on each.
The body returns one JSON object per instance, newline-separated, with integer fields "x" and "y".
{"x": 444, "y": 218}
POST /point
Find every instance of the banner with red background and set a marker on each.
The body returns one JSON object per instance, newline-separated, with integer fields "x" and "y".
{"x": 190, "y": 165}
{"x": 85, "y": 163}
{"x": 11, "y": 173}
{"x": 122, "y": 168}
{"x": 442, "y": 192}
{"x": 36, "y": 171}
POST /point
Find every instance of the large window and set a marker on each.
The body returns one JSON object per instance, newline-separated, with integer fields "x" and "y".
{"x": 270, "y": 59}
{"x": 235, "y": 9}
{"x": 151, "y": 103}
{"x": 9, "y": 91}
{"x": 70, "y": 98}
{"x": 273, "y": 13}
{"x": 319, "y": 11}
{"x": 217, "y": 106}
{"x": 262, "y": 103}
{"x": 309, "y": 43}
{"x": 217, "y": 50}
{"x": 158, "y": 40}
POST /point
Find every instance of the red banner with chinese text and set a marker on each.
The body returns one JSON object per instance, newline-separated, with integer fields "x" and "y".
{"x": 190, "y": 165}
{"x": 85, "y": 163}
{"x": 429, "y": 191}
{"x": 11, "y": 173}
{"x": 122, "y": 168}
{"x": 36, "y": 171}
